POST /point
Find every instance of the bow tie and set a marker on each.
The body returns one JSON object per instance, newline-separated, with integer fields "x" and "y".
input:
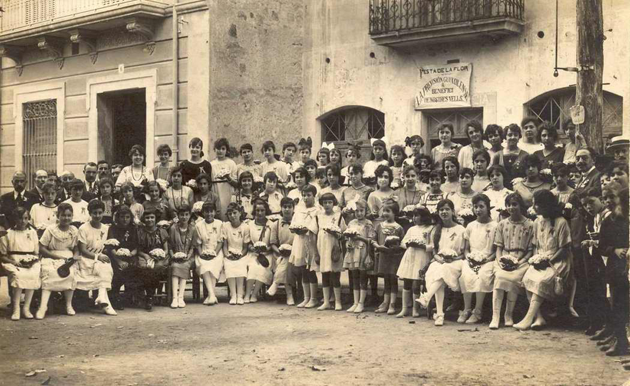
{"x": 284, "y": 222}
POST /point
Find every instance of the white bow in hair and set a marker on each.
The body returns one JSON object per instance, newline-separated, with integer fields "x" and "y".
{"x": 328, "y": 146}
{"x": 384, "y": 139}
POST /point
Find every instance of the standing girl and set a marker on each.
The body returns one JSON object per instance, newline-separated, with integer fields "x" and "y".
{"x": 123, "y": 257}
{"x": 416, "y": 258}
{"x": 352, "y": 157}
{"x": 479, "y": 251}
{"x": 446, "y": 147}
{"x": 282, "y": 244}
{"x": 446, "y": 267}
{"x": 94, "y": 270}
{"x": 434, "y": 195}
{"x": 153, "y": 256}
{"x": 161, "y": 171}
{"x": 462, "y": 199}
{"x": 305, "y": 148}
{"x": 157, "y": 203}
{"x": 204, "y": 193}
{"x": 333, "y": 175}
{"x": 236, "y": 239}
{"x": 329, "y": 249}
{"x": 223, "y": 175}
{"x": 513, "y": 239}
{"x": 384, "y": 178}
{"x": 177, "y": 194}
{"x": 356, "y": 191}
{"x": 182, "y": 236}
{"x": 271, "y": 193}
{"x": 497, "y": 192}
{"x": 387, "y": 244}
{"x": 195, "y": 166}
{"x": 135, "y": 173}
{"x": 302, "y": 179}
{"x": 271, "y": 164}
{"x": 358, "y": 259}
{"x": 244, "y": 196}
{"x": 335, "y": 158}
{"x": 45, "y": 214}
{"x": 58, "y": 246}
{"x": 415, "y": 143}
{"x": 129, "y": 199}
{"x": 19, "y": 252}
{"x": 450, "y": 167}
{"x": 323, "y": 157}
{"x": 209, "y": 245}
{"x": 304, "y": 251}
{"x": 378, "y": 157}
{"x": 512, "y": 158}
{"x": 396, "y": 162}
{"x": 481, "y": 160}
{"x": 106, "y": 190}
{"x": 259, "y": 232}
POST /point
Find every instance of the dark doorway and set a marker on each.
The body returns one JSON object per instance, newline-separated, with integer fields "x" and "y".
{"x": 122, "y": 123}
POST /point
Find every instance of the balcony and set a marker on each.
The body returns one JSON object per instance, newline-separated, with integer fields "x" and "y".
{"x": 409, "y": 23}
{"x": 24, "y": 20}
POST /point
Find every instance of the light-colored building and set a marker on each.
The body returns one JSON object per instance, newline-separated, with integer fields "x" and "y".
{"x": 375, "y": 67}
{"x": 84, "y": 80}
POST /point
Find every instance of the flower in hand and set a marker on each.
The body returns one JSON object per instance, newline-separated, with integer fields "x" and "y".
{"x": 508, "y": 262}
{"x": 157, "y": 254}
{"x": 179, "y": 257}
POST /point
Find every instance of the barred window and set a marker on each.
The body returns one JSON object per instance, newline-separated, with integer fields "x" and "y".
{"x": 40, "y": 137}
{"x": 353, "y": 124}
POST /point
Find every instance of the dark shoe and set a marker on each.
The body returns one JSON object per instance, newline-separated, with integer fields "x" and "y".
{"x": 602, "y": 334}
{"x": 149, "y": 304}
{"x": 617, "y": 349}
{"x": 592, "y": 330}
{"x": 118, "y": 304}
{"x": 607, "y": 347}
{"x": 606, "y": 341}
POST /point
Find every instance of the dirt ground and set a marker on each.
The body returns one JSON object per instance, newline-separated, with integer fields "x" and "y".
{"x": 269, "y": 343}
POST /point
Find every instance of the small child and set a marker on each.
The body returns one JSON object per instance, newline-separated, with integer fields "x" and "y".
{"x": 335, "y": 158}
{"x": 304, "y": 250}
{"x": 183, "y": 239}
{"x": 415, "y": 143}
{"x": 389, "y": 253}
{"x": 177, "y": 194}
{"x": 323, "y": 157}
{"x": 384, "y": 178}
{"x": 478, "y": 275}
{"x": 396, "y": 163}
{"x": 19, "y": 245}
{"x": 357, "y": 190}
{"x": 106, "y": 189}
{"x": 45, "y": 214}
{"x": 204, "y": 194}
{"x": 561, "y": 179}
{"x": 302, "y": 179}
{"x": 311, "y": 167}
{"x": 244, "y": 195}
{"x": 160, "y": 172}
{"x": 248, "y": 165}
{"x": 378, "y": 157}
{"x": 423, "y": 164}
{"x": 281, "y": 243}
{"x": 224, "y": 175}
{"x": 435, "y": 194}
{"x": 129, "y": 199}
{"x": 259, "y": 231}
{"x": 333, "y": 177}
{"x": 236, "y": 240}
{"x": 575, "y": 176}
{"x": 329, "y": 249}
{"x": 416, "y": 259}
{"x": 271, "y": 164}
{"x": 305, "y": 148}
{"x": 358, "y": 259}
{"x": 271, "y": 193}
{"x": 352, "y": 158}
{"x": 209, "y": 250}
{"x": 152, "y": 265}
{"x": 288, "y": 151}
{"x": 446, "y": 147}
{"x": 79, "y": 206}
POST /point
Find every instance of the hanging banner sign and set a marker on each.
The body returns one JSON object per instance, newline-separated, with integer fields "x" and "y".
{"x": 444, "y": 86}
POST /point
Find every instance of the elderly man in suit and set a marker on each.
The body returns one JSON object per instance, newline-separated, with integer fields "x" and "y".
{"x": 90, "y": 171}
{"x": 18, "y": 197}
{"x": 585, "y": 162}
{"x": 41, "y": 176}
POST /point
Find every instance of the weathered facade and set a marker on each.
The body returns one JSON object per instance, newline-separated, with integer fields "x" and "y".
{"x": 363, "y": 62}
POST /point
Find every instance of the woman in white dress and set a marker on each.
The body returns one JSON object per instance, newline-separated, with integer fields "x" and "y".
{"x": 94, "y": 270}
{"x": 19, "y": 252}
{"x": 209, "y": 256}
{"x": 135, "y": 173}
{"x": 58, "y": 246}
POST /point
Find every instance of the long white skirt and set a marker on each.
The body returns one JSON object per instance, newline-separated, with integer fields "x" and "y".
{"x": 282, "y": 266}
{"x": 93, "y": 274}
{"x": 214, "y": 266}
{"x": 447, "y": 272}
{"x": 412, "y": 262}
{"x": 236, "y": 268}
{"x": 482, "y": 281}
{"x": 255, "y": 271}
{"x": 24, "y": 278}
{"x": 51, "y": 280}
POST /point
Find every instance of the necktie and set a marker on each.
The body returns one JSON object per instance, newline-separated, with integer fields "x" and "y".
{"x": 19, "y": 199}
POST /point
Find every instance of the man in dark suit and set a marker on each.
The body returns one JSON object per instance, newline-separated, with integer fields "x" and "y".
{"x": 90, "y": 171}
{"x": 41, "y": 176}
{"x": 19, "y": 197}
{"x": 585, "y": 162}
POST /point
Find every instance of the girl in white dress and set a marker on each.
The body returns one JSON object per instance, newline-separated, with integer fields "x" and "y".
{"x": 177, "y": 195}
{"x": 45, "y": 213}
{"x": 448, "y": 252}
{"x": 209, "y": 248}
{"x": 94, "y": 270}
{"x": 58, "y": 246}
{"x": 378, "y": 157}
{"x": 497, "y": 192}
{"x": 478, "y": 275}
{"x": 223, "y": 175}
{"x": 417, "y": 240}
{"x": 330, "y": 250}
{"x": 257, "y": 273}
{"x": 446, "y": 148}
{"x": 81, "y": 213}
{"x": 135, "y": 173}
{"x": 19, "y": 252}
{"x": 271, "y": 194}
{"x": 236, "y": 240}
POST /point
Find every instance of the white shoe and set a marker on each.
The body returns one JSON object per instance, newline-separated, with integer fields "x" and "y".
{"x": 174, "y": 303}
{"x": 40, "y": 314}
{"x": 424, "y": 302}
{"x": 290, "y": 301}
{"x": 110, "y": 311}
{"x": 233, "y": 301}
{"x": 354, "y": 307}
{"x": 181, "y": 303}
{"x": 240, "y": 301}
{"x": 272, "y": 290}
{"x": 27, "y": 314}
{"x": 70, "y": 311}
{"x": 439, "y": 320}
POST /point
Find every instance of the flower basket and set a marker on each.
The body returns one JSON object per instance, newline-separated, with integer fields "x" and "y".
{"x": 260, "y": 247}
{"x": 197, "y": 207}
{"x": 448, "y": 255}
{"x": 157, "y": 254}
{"x": 28, "y": 261}
{"x": 415, "y": 243}
{"x": 207, "y": 255}
{"x": 123, "y": 252}
{"x": 333, "y": 229}
{"x": 392, "y": 241}
{"x": 298, "y": 229}
{"x": 111, "y": 243}
{"x": 179, "y": 257}
{"x": 192, "y": 184}
{"x": 509, "y": 262}
{"x": 539, "y": 261}
{"x": 162, "y": 183}
{"x": 476, "y": 260}
{"x": 285, "y": 250}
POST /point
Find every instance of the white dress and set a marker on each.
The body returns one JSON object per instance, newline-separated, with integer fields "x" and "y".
{"x": 328, "y": 246}
{"x": 481, "y": 239}
{"x": 452, "y": 238}
{"x": 42, "y": 216}
{"x": 221, "y": 187}
{"x": 236, "y": 239}
{"x": 79, "y": 211}
{"x": 60, "y": 243}
{"x": 18, "y": 245}
{"x": 93, "y": 274}
{"x": 127, "y": 175}
{"x": 497, "y": 201}
{"x": 209, "y": 236}
{"x": 415, "y": 259}
{"x": 255, "y": 271}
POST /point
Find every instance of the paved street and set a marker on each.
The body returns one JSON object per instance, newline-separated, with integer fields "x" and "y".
{"x": 269, "y": 343}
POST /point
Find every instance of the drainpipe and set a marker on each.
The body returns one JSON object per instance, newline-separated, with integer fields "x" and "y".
{"x": 175, "y": 84}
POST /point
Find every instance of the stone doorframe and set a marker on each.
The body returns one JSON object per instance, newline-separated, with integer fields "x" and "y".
{"x": 36, "y": 93}
{"x": 146, "y": 79}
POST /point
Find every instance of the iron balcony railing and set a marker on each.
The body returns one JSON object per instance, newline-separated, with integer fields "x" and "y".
{"x": 402, "y": 15}
{"x": 20, "y": 14}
